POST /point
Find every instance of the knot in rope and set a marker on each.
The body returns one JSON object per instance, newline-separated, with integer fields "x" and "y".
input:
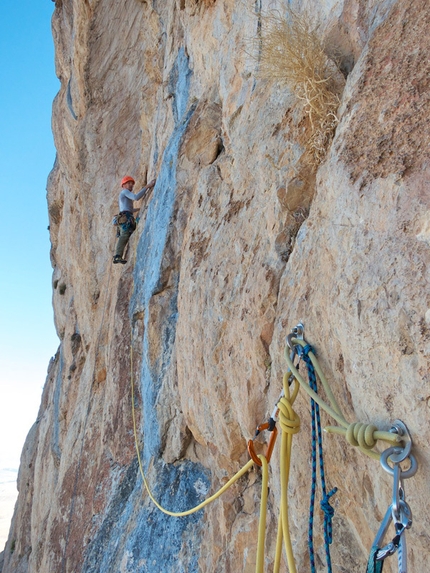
{"x": 288, "y": 418}
{"x": 358, "y": 434}
{"x": 328, "y": 513}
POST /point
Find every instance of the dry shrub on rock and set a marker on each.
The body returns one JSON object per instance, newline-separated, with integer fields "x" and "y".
{"x": 292, "y": 54}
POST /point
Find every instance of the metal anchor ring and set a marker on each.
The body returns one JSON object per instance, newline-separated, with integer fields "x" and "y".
{"x": 296, "y": 332}
{"x": 401, "y": 429}
{"x": 404, "y": 474}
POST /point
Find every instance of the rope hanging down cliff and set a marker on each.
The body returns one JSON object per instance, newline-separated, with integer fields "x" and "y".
{"x": 361, "y": 435}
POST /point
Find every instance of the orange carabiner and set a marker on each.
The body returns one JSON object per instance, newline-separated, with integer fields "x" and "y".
{"x": 271, "y": 445}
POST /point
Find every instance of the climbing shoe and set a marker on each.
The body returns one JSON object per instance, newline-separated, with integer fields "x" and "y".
{"x": 118, "y": 259}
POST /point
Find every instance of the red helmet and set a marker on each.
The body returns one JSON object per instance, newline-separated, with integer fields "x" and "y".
{"x": 126, "y": 179}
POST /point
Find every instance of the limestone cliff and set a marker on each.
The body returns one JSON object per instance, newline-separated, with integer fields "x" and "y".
{"x": 240, "y": 239}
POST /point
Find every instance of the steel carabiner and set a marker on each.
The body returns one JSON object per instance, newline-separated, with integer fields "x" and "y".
{"x": 399, "y": 511}
{"x": 401, "y": 523}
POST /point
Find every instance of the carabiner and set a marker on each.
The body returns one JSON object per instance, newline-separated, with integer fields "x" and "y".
{"x": 399, "y": 511}
{"x": 270, "y": 425}
{"x": 383, "y": 528}
{"x": 401, "y": 522}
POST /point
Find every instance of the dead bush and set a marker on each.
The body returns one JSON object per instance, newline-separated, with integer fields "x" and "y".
{"x": 292, "y": 54}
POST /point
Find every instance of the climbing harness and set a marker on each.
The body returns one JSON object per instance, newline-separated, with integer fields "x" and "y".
{"x": 399, "y": 511}
{"x": 363, "y": 436}
{"x": 125, "y": 220}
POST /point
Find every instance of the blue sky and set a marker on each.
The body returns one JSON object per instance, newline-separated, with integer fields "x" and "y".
{"x": 27, "y": 335}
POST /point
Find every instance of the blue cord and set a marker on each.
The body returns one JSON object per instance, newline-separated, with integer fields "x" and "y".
{"x": 325, "y": 501}
{"x": 374, "y": 566}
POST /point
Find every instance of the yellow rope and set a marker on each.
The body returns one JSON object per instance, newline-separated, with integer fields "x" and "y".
{"x": 290, "y": 425}
{"x": 363, "y": 436}
{"x": 238, "y": 475}
{"x": 235, "y": 478}
{"x": 259, "y": 566}
{"x": 207, "y": 501}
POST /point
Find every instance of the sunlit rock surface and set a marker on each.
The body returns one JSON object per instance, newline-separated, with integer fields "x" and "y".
{"x": 238, "y": 241}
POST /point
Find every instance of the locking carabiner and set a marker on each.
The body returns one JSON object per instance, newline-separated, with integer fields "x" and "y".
{"x": 271, "y": 426}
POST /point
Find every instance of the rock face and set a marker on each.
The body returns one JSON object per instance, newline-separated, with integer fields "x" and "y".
{"x": 239, "y": 240}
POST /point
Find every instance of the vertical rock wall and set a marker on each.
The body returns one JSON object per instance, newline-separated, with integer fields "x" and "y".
{"x": 239, "y": 240}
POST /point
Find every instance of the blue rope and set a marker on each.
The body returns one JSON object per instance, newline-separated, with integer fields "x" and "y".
{"x": 325, "y": 501}
{"x": 374, "y": 566}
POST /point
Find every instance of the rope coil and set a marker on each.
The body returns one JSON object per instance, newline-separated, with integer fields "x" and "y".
{"x": 363, "y": 435}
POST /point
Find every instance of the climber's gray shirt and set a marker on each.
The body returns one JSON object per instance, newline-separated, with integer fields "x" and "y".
{"x": 127, "y": 197}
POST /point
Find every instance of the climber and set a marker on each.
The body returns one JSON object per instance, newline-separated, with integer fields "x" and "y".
{"x": 125, "y": 220}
